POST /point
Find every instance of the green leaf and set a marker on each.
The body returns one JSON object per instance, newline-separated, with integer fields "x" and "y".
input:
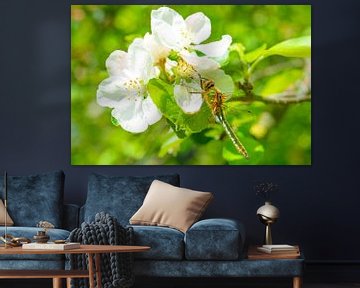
{"x": 183, "y": 124}
{"x": 255, "y": 54}
{"x": 296, "y": 47}
{"x": 254, "y": 148}
{"x": 202, "y": 137}
{"x": 281, "y": 82}
{"x": 179, "y": 131}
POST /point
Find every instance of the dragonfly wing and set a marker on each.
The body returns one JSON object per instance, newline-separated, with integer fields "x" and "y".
{"x": 223, "y": 82}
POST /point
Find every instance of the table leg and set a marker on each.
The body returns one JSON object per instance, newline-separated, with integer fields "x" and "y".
{"x": 98, "y": 270}
{"x": 57, "y": 283}
{"x": 91, "y": 270}
{"x": 297, "y": 282}
{"x": 68, "y": 282}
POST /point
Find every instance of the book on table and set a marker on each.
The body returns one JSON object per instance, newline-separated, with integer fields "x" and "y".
{"x": 278, "y": 249}
{"x": 51, "y": 246}
{"x": 255, "y": 254}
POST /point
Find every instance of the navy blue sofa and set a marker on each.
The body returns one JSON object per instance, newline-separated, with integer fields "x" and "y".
{"x": 32, "y": 199}
{"x": 210, "y": 248}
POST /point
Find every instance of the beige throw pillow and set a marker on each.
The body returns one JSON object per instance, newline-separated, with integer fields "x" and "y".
{"x": 9, "y": 221}
{"x": 170, "y": 206}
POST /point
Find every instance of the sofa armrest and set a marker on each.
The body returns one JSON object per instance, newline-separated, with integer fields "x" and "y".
{"x": 71, "y": 216}
{"x": 215, "y": 239}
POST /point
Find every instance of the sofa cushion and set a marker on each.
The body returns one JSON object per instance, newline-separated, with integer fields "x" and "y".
{"x": 35, "y": 198}
{"x": 29, "y": 232}
{"x": 119, "y": 196}
{"x": 9, "y": 221}
{"x": 214, "y": 239}
{"x": 170, "y": 206}
{"x": 165, "y": 243}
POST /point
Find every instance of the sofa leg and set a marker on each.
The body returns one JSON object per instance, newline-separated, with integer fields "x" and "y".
{"x": 57, "y": 283}
{"x": 297, "y": 282}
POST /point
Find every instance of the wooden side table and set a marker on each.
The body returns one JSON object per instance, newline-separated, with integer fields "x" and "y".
{"x": 92, "y": 251}
{"x": 254, "y": 254}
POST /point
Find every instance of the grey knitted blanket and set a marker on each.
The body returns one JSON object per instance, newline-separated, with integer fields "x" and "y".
{"x": 116, "y": 268}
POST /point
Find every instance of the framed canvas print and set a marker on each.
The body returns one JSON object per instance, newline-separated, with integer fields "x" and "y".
{"x": 190, "y": 85}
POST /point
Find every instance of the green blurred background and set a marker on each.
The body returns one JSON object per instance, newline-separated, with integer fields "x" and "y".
{"x": 97, "y": 30}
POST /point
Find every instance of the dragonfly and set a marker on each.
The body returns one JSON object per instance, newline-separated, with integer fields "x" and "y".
{"x": 215, "y": 99}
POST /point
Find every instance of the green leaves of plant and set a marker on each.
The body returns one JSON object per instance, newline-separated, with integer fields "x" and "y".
{"x": 296, "y": 47}
{"x": 183, "y": 124}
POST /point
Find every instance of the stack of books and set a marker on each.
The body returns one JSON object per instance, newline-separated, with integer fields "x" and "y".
{"x": 273, "y": 252}
{"x": 51, "y": 246}
{"x": 279, "y": 249}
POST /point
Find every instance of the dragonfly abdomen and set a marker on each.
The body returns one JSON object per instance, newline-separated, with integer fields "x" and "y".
{"x": 229, "y": 131}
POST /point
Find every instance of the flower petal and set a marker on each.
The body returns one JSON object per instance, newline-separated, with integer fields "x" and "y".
{"x": 199, "y": 26}
{"x": 169, "y": 26}
{"x": 156, "y": 50}
{"x": 140, "y": 61}
{"x": 116, "y": 62}
{"x": 151, "y": 112}
{"x": 217, "y": 48}
{"x": 200, "y": 64}
{"x": 130, "y": 116}
{"x": 188, "y": 102}
{"x": 111, "y": 91}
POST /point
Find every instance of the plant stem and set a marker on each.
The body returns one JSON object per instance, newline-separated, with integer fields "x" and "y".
{"x": 247, "y": 88}
{"x": 284, "y": 98}
{"x": 252, "y": 67}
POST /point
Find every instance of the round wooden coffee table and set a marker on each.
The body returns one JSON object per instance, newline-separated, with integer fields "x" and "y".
{"x": 94, "y": 267}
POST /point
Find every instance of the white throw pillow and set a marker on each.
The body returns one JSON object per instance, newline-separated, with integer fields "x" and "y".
{"x": 170, "y": 206}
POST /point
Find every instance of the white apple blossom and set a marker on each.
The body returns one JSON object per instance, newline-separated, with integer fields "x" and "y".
{"x": 186, "y": 35}
{"x": 125, "y": 89}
